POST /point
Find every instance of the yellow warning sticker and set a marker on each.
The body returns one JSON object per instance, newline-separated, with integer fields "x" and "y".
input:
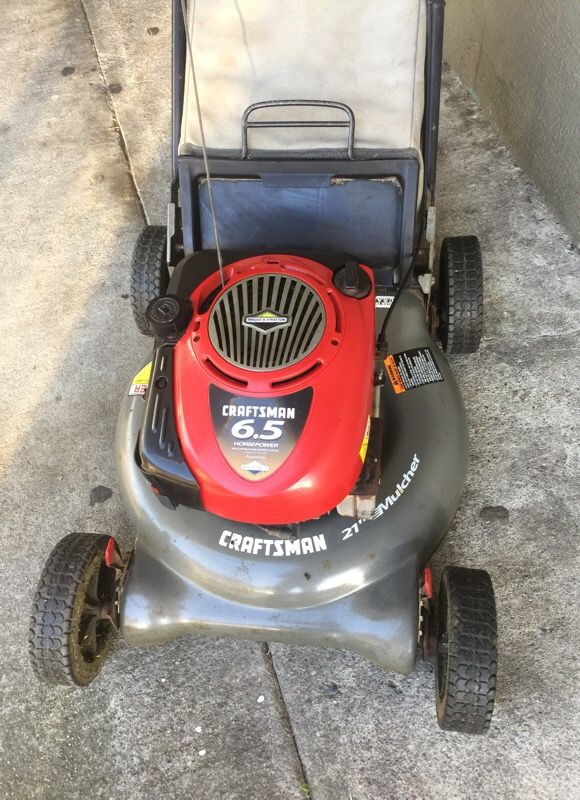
{"x": 141, "y": 381}
{"x": 365, "y": 442}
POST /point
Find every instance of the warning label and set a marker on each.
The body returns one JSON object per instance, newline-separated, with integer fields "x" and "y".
{"x": 365, "y": 442}
{"x": 141, "y": 381}
{"x": 412, "y": 368}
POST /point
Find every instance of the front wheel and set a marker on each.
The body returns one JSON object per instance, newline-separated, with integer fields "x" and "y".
{"x": 466, "y": 650}
{"x": 72, "y": 625}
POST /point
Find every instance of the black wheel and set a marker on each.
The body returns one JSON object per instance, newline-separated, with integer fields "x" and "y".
{"x": 460, "y": 295}
{"x": 149, "y": 273}
{"x": 71, "y": 627}
{"x": 466, "y": 651}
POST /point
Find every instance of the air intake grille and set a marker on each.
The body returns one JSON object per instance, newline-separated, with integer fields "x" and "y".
{"x": 267, "y": 322}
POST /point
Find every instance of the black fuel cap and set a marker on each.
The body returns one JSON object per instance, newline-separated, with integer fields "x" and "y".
{"x": 353, "y": 281}
{"x": 168, "y": 316}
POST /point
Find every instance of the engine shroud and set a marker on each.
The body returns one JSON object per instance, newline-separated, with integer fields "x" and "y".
{"x": 273, "y": 386}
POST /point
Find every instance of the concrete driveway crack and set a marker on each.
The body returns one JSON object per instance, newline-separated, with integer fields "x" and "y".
{"x": 116, "y": 124}
{"x": 285, "y": 715}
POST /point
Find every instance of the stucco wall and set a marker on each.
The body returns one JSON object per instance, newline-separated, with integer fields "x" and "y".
{"x": 522, "y": 58}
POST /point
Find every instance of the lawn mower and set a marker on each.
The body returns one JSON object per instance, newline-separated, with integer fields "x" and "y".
{"x": 294, "y": 449}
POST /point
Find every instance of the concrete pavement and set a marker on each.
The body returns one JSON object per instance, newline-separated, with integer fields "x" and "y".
{"x": 188, "y": 723}
{"x": 84, "y": 156}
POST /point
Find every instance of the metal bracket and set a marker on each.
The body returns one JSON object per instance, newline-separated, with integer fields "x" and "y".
{"x": 325, "y": 123}
{"x": 427, "y": 280}
{"x": 430, "y": 230}
{"x": 170, "y": 229}
{"x": 362, "y": 501}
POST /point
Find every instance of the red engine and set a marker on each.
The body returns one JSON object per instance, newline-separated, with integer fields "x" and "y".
{"x": 272, "y": 386}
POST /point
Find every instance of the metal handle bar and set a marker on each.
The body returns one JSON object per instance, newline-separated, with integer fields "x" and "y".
{"x": 325, "y": 123}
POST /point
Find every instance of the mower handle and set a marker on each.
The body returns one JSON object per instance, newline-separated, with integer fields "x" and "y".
{"x": 326, "y": 123}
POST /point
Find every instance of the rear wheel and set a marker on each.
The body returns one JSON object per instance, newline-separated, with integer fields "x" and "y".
{"x": 466, "y": 651}
{"x": 149, "y": 273}
{"x": 72, "y": 623}
{"x": 460, "y": 294}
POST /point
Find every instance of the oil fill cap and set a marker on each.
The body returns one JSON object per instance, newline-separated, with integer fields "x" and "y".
{"x": 168, "y": 316}
{"x": 353, "y": 281}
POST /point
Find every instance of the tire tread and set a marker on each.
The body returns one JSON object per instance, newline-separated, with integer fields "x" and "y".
{"x": 149, "y": 273}
{"x": 468, "y": 703}
{"x": 53, "y": 607}
{"x": 461, "y": 261}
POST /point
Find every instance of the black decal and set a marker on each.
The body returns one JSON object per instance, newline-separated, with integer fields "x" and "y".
{"x": 257, "y": 435}
{"x": 412, "y": 368}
